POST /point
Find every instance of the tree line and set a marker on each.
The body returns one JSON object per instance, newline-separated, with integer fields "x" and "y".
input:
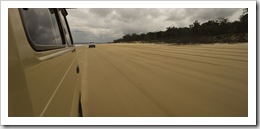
{"x": 220, "y": 30}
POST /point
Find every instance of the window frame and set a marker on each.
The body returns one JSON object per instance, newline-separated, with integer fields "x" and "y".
{"x": 39, "y": 47}
{"x": 62, "y": 16}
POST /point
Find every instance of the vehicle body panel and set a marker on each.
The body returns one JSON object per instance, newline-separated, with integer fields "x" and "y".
{"x": 44, "y": 83}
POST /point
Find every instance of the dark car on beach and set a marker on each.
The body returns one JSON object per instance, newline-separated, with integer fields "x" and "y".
{"x": 92, "y": 45}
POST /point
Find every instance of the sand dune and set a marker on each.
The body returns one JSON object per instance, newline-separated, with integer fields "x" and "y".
{"x": 164, "y": 80}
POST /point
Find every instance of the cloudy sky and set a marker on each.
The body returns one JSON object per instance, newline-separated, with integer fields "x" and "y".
{"x": 108, "y": 24}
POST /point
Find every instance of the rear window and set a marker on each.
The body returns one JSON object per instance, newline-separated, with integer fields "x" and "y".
{"x": 42, "y": 28}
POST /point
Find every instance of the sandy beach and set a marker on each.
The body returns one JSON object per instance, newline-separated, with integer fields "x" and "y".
{"x": 164, "y": 80}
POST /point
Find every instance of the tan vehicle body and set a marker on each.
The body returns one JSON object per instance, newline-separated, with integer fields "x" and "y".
{"x": 40, "y": 83}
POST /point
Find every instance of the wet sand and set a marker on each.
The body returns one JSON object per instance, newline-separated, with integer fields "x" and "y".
{"x": 164, "y": 80}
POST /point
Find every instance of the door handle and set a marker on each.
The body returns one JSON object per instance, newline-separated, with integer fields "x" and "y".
{"x": 77, "y": 69}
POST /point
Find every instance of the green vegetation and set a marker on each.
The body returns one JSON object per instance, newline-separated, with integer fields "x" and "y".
{"x": 212, "y": 31}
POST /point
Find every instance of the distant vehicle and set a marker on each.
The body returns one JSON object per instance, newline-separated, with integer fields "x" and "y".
{"x": 92, "y": 45}
{"x": 43, "y": 72}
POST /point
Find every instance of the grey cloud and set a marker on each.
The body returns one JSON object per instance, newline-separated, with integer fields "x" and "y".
{"x": 133, "y": 14}
{"x": 81, "y": 36}
{"x": 107, "y": 24}
{"x": 101, "y": 11}
{"x": 78, "y": 13}
{"x": 204, "y": 14}
{"x": 207, "y": 14}
{"x": 176, "y": 14}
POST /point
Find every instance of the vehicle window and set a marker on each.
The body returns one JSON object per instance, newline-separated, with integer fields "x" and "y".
{"x": 41, "y": 25}
{"x": 66, "y": 28}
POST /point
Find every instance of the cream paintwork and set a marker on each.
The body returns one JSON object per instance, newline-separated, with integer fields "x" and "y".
{"x": 40, "y": 83}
